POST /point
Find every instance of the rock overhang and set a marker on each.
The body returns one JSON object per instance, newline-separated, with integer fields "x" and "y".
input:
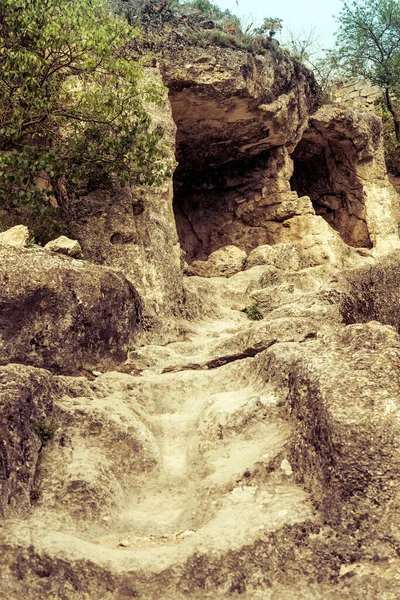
{"x": 230, "y": 104}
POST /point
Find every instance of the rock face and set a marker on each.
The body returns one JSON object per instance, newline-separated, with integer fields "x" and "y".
{"x": 241, "y": 105}
{"x": 26, "y": 421}
{"x": 63, "y": 314}
{"x": 245, "y": 457}
{"x": 340, "y": 164}
{"x": 224, "y": 262}
{"x": 133, "y": 229}
{"x": 250, "y": 457}
{"x": 356, "y": 92}
{"x": 254, "y": 155}
{"x": 238, "y": 116}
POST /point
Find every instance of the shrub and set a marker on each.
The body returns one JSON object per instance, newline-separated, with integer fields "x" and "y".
{"x": 71, "y": 101}
{"x": 254, "y": 313}
{"x": 45, "y": 430}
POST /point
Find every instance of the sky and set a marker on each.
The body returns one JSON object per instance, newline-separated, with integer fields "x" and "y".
{"x": 298, "y": 15}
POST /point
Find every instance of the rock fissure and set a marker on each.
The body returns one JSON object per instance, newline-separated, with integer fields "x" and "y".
{"x": 223, "y": 360}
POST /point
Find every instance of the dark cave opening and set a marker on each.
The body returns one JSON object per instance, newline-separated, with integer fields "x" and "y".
{"x": 208, "y": 205}
{"x": 324, "y": 170}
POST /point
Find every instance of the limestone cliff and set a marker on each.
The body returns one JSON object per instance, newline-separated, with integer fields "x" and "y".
{"x": 212, "y": 408}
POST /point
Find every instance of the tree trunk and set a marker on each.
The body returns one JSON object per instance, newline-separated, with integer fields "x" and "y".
{"x": 395, "y": 115}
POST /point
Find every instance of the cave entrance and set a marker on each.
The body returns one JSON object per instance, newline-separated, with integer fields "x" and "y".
{"x": 219, "y": 205}
{"x": 325, "y": 170}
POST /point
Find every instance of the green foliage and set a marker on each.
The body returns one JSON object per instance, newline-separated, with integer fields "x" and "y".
{"x": 368, "y": 45}
{"x": 195, "y": 22}
{"x": 71, "y": 101}
{"x": 254, "y": 313}
{"x": 270, "y": 27}
{"x": 368, "y": 40}
{"x": 45, "y": 430}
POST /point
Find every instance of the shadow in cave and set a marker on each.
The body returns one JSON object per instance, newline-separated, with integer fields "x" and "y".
{"x": 324, "y": 170}
{"x": 207, "y": 205}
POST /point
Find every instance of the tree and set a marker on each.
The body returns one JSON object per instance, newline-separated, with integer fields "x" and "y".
{"x": 304, "y": 46}
{"x": 71, "y": 100}
{"x": 368, "y": 45}
{"x": 270, "y": 26}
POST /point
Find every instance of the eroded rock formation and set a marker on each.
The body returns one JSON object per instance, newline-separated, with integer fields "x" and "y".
{"x": 237, "y": 117}
{"x": 63, "y": 314}
{"x": 255, "y": 451}
{"x": 340, "y": 164}
{"x": 133, "y": 229}
{"x": 253, "y": 154}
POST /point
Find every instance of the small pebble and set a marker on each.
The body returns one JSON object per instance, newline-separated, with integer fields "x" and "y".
{"x": 124, "y": 543}
{"x": 184, "y": 534}
{"x": 286, "y": 467}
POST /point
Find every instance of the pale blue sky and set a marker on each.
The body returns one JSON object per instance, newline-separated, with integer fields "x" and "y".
{"x": 297, "y": 15}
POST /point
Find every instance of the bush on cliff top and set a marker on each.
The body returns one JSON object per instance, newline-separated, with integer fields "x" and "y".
{"x": 196, "y": 22}
{"x": 71, "y": 100}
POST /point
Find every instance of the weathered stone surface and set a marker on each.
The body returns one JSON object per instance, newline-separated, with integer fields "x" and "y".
{"x": 340, "y": 164}
{"x": 16, "y": 236}
{"x": 237, "y": 116}
{"x": 347, "y": 454}
{"x": 224, "y": 262}
{"x": 245, "y": 458}
{"x": 371, "y": 293}
{"x": 356, "y": 93}
{"x": 315, "y": 239}
{"x": 63, "y": 314}
{"x": 100, "y": 451}
{"x": 275, "y": 444}
{"x": 282, "y": 256}
{"x": 337, "y": 160}
{"x": 64, "y": 245}
{"x": 133, "y": 229}
{"x": 237, "y": 104}
{"x": 26, "y": 420}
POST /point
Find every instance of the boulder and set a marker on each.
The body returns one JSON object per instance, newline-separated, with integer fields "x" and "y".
{"x": 65, "y": 245}
{"x": 16, "y": 236}
{"x": 224, "y": 262}
{"x": 344, "y": 407}
{"x": 63, "y": 314}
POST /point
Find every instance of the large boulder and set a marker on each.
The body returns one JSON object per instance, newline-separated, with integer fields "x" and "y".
{"x": 282, "y": 256}
{"x": 344, "y": 408}
{"x": 61, "y": 313}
